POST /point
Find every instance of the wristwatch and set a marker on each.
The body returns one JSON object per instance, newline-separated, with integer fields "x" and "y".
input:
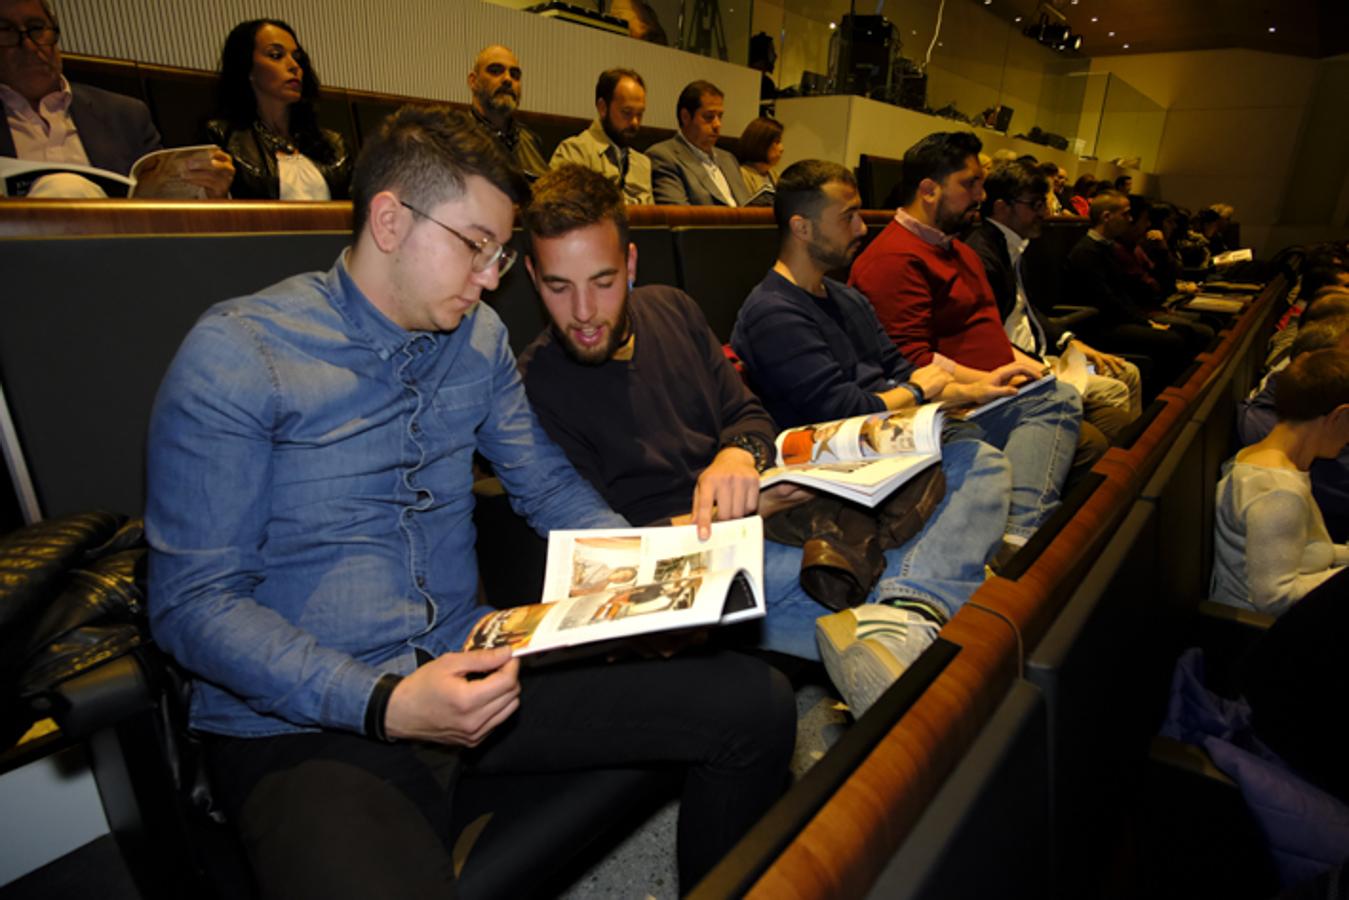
{"x": 919, "y": 395}
{"x": 763, "y": 458}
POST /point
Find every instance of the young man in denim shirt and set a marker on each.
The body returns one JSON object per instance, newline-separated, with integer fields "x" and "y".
{"x": 312, "y": 564}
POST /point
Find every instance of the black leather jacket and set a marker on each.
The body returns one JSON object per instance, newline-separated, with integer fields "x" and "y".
{"x": 255, "y": 171}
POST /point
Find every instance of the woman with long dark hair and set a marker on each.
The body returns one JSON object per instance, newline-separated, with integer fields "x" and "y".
{"x": 268, "y": 119}
{"x": 760, "y": 151}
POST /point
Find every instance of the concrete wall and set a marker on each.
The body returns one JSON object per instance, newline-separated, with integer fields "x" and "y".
{"x": 1234, "y": 133}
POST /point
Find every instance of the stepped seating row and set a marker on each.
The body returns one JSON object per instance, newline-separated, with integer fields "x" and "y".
{"x": 994, "y": 732}
{"x": 181, "y": 100}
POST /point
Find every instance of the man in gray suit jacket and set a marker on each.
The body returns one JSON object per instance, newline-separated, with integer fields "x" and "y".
{"x": 62, "y": 122}
{"x": 690, "y": 169}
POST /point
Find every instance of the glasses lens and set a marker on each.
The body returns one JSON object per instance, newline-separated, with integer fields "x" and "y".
{"x": 508, "y": 257}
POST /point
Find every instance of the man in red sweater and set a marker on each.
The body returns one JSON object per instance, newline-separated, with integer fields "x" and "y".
{"x": 929, "y": 289}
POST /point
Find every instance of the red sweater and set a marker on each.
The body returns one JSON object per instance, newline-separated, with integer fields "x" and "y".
{"x": 931, "y": 300}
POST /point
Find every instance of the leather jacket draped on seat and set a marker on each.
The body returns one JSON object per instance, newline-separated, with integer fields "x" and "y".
{"x": 255, "y": 169}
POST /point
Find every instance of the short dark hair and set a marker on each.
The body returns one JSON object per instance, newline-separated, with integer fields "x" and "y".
{"x": 1121, "y": 181}
{"x": 1139, "y": 206}
{"x": 935, "y": 156}
{"x": 1010, "y": 180}
{"x": 1049, "y": 169}
{"x": 1159, "y": 212}
{"x": 758, "y": 136}
{"x": 608, "y": 82}
{"x": 800, "y": 190}
{"x": 691, "y": 97}
{"x": 1320, "y": 335}
{"x": 570, "y": 197}
{"x": 1082, "y": 187}
{"x": 1104, "y": 202}
{"x": 427, "y": 153}
{"x": 1312, "y": 385}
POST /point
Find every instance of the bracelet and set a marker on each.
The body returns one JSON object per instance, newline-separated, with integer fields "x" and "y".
{"x": 1064, "y": 340}
{"x": 919, "y": 396}
{"x": 755, "y": 448}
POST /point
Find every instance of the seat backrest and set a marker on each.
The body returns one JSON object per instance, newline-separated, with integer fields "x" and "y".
{"x": 877, "y": 178}
{"x": 80, "y": 365}
{"x": 720, "y": 264}
{"x": 1042, "y": 267}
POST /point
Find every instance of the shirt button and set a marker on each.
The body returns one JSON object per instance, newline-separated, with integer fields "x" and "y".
{"x": 421, "y": 581}
{"x": 416, "y": 428}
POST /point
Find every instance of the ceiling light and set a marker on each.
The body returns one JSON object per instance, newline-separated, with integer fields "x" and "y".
{"x": 1095, "y": 19}
{"x": 1017, "y": 19}
{"x": 832, "y": 26}
{"x": 1126, "y": 46}
{"x": 1107, "y": 34}
{"x": 1271, "y": 29}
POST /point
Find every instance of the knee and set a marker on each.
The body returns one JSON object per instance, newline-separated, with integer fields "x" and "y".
{"x": 758, "y": 710}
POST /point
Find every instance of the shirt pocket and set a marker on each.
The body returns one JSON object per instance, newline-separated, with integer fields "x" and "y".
{"x": 458, "y": 409}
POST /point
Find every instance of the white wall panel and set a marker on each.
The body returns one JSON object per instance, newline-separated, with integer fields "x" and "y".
{"x": 421, "y": 48}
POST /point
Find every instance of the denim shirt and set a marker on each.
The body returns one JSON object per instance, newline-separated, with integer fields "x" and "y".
{"x": 309, "y": 503}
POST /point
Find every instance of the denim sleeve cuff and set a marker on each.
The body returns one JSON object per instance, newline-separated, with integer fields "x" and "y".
{"x": 378, "y": 705}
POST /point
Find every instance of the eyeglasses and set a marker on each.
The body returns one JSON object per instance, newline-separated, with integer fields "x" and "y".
{"x": 486, "y": 252}
{"x": 41, "y": 35}
{"x": 1038, "y": 204}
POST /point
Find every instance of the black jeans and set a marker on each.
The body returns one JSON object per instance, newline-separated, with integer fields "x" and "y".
{"x": 332, "y": 814}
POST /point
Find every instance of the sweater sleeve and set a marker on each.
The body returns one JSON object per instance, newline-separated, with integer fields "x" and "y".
{"x": 793, "y": 368}
{"x": 741, "y": 412}
{"x": 1276, "y": 538}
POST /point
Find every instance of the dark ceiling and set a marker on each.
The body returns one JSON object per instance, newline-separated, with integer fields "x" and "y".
{"x": 1314, "y": 28}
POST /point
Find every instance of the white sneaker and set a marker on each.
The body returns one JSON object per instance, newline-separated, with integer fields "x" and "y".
{"x": 867, "y": 648}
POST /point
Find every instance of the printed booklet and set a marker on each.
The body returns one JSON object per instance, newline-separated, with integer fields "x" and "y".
{"x": 163, "y": 166}
{"x": 865, "y": 458}
{"x": 605, "y": 584}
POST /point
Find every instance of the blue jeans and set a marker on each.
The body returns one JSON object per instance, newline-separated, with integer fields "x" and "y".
{"x": 943, "y": 564}
{"x": 1038, "y": 433}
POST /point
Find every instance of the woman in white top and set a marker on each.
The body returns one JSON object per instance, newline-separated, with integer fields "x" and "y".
{"x": 269, "y": 123}
{"x": 1270, "y": 543}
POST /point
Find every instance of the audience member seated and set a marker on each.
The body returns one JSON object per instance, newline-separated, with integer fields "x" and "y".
{"x": 1093, "y": 279}
{"x": 1256, "y": 417}
{"x": 932, "y": 297}
{"x": 1318, "y": 273}
{"x": 1079, "y": 201}
{"x": 690, "y": 169}
{"x": 1332, "y": 300}
{"x": 634, "y": 386}
{"x": 760, "y": 151}
{"x": 1056, "y": 176}
{"x": 268, "y": 122}
{"x": 1157, "y": 246}
{"x": 1209, "y": 223}
{"x": 815, "y": 351}
{"x": 48, "y": 119}
{"x": 1270, "y": 541}
{"x": 1125, "y": 184}
{"x": 495, "y": 87}
{"x": 606, "y": 146}
{"x": 1014, "y": 210}
{"x": 329, "y": 424}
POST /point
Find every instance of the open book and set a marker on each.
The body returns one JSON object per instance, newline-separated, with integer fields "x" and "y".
{"x": 863, "y": 458}
{"x": 160, "y": 171}
{"x": 605, "y": 584}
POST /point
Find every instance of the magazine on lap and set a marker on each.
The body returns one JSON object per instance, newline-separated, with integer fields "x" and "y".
{"x": 602, "y": 585}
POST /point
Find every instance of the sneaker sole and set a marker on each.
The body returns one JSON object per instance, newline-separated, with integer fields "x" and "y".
{"x": 860, "y": 670}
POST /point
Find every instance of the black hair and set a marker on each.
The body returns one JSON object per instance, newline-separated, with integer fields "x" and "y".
{"x": 691, "y": 97}
{"x": 236, "y": 102}
{"x": 800, "y": 190}
{"x": 1312, "y": 385}
{"x": 1009, "y": 181}
{"x": 935, "y": 156}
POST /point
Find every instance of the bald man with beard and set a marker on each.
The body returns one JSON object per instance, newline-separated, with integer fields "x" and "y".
{"x": 494, "y": 84}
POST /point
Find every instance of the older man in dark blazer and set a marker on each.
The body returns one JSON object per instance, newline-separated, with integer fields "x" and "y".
{"x": 48, "y": 118}
{"x": 690, "y": 169}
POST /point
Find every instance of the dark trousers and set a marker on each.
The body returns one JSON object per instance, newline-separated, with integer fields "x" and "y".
{"x": 332, "y": 814}
{"x": 1168, "y": 350}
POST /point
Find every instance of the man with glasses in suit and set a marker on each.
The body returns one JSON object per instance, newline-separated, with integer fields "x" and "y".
{"x": 49, "y": 119}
